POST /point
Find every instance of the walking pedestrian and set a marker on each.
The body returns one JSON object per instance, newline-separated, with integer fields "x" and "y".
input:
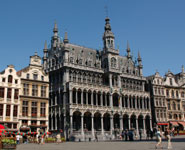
{"x": 96, "y": 137}
{"x": 126, "y": 135}
{"x": 159, "y": 138}
{"x": 17, "y": 138}
{"x": 140, "y": 134}
{"x": 58, "y": 138}
{"x": 151, "y": 134}
{"x": 168, "y": 137}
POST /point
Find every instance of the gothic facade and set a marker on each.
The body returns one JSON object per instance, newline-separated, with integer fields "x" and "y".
{"x": 95, "y": 91}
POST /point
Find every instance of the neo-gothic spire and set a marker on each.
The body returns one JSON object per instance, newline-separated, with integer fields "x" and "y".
{"x": 55, "y": 29}
{"x": 107, "y": 24}
{"x": 182, "y": 68}
{"x": 128, "y": 50}
{"x": 139, "y": 57}
{"x": 45, "y": 50}
{"x": 55, "y": 36}
{"x": 45, "y": 45}
{"x": 108, "y": 36}
{"x": 66, "y": 38}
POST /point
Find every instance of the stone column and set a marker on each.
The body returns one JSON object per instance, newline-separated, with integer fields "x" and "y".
{"x": 137, "y": 127}
{"x": 82, "y": 98}
{"x": 105, "y": 99}
{"x": 144, "y": 129}
{"x": 111, "y": 124}
{"x": 92, "y": 98}
{"x": 96, "y": 99}
{"x": 120, "y": 102}
{"x": 56, "y": 121}
{"x": 51, "y": 122}
{"x": 102, "y": 127}
{"x": 82, "y": 125}
{"x": 110, "y": 99}
{"x": 70, "y": 97}
{"x": 87, "y": 98}
{"x": 110, "y": 80}
{"x": 71, "y": 124}
{"x": 129, "y": 123}
{"x": 150, "y": 124}
{"x": 121, "y": 122}
{"x": 76, "y": 97}
{"x": 128, "y": 101}
{"x": 92, "y": 126}
{"x": 101, "y": 99}
{"x": 119, "y": 82}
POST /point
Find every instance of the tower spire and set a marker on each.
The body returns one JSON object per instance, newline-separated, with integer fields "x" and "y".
{"x": 45, "y": 45}
{"x": 182, "y": 68}
{"x": 128, "y": 50}
{"x": 140, "y": 66}
{"x": 66, "y": 38}
{"x": 55, "y": 29}
{"x": 55, "y": 36}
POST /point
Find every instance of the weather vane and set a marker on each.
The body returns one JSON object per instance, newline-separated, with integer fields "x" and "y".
{"x": 106, "y": 10}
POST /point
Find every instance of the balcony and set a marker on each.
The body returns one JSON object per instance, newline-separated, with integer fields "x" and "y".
{"x": 34, "y": 115}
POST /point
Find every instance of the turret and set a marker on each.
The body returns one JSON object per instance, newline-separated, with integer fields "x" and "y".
{"x": 45, "y": 51}
{"x": 55, "y": 36}
{"x": 108, "y": 36}
{"x": 66, "y": 38}
{"x": 128, "y": 50}
{"x": 140, "y": 66}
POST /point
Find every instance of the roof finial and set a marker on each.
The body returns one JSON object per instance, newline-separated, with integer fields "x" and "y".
{"x": 45, "y": 45}
{"x": 55, "y": 29}
{"x": 35, "y": 53}
{"x": 66, "y": 38}
{"x": 139, "y": 57}
{"x": 106, "y": 10}
{"x": 182, "y": 68}
{"x": 128, "y": 50}
{"x": 128, "y": 46}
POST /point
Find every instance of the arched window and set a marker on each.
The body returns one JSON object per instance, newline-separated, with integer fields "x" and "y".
{"x": 172, "y": 93}
{"x": 177, "y": 94}
{"x": 182, "y": 94}
{"x": 113, "y": 62}
{"x": 174, "y": 106}
{"x": 10, "y": 79}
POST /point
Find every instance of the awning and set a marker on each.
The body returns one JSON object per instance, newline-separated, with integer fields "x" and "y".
{"x": 175, "y": 124}
{"x": 162, "y": 124}
{"x": 182, "y": 123}
{"x": 2, "y": 127}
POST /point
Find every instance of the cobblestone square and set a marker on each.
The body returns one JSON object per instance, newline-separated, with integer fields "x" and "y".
{"x": 178, "y": 143}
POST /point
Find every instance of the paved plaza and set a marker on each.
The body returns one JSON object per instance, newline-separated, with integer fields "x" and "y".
{"x": 178, "y": 143}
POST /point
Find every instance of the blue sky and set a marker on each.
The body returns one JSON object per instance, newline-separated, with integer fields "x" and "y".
{"x": 154, "y": 27}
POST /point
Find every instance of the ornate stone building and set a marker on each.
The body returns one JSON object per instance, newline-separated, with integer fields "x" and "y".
{"x": 175, "y": 88}
{"x": 34, "y": 97}
{"x": 168, "y": 99}
{"x": 95, "y": 91}
{"x": 158, "y": 100}
{"x": 9, "y": 98}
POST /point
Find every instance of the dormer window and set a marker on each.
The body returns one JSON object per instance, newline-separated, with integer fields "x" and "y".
{"x": 10, "y": 79}
{"x": 171, "y": 83}
{"x": 35, "y": 76}
{"x": 42, "y": 78}
{"x": 27, "y": 76}
{"x": 113, "y": 62}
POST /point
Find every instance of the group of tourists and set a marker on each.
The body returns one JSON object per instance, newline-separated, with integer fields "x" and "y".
{"x": 167, "y": 134}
